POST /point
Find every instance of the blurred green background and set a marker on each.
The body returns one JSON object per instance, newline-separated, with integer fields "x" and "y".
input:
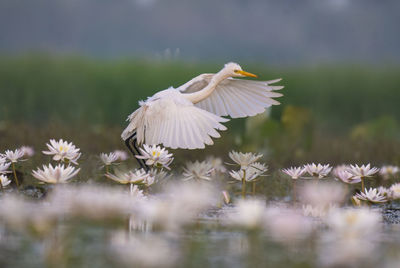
{"x": 39, "y": 88}
{"x": 330, "y": 113}
{"x": 76, "y": 70}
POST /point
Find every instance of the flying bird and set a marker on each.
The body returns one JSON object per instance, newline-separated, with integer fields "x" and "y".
{"x": 191, "y": 115}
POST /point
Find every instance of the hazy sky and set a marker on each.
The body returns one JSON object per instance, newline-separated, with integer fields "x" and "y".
{"x": 276, "y": 32}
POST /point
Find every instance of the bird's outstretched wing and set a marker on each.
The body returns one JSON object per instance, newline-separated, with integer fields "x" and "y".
{"x": 175, "y": 125}
{"x": 235, "y": 97}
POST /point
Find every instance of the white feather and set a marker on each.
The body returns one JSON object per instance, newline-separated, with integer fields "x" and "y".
{"x": 175, "y": 122}
{"x": 190, "y": 116}
{"x": 234, "y": 97}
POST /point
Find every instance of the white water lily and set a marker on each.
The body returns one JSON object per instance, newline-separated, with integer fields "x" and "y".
{"x": 361, "y": 172}
{"x": 339, "y": 168}
{"x": 394, "y": 191}
{"x": 14, "y": 156}
{"x": 57, "y": 174}
{"x": 22, "y": 215}
{"x": 197, "y": 171}
{"x": 4, "y": 167}
{"x": 358, "y": 222}
{"x": 147, "y": 251}
{"x": 149, "y": 180}
{"x": 319, "y": 171}
{"x": 155, "y": 156}
{"x": 248, "y": 213}
{"x": 94, "y": 201}
{"x": 28, "y": 151}
{"x": 121, "y": 155}
{"x": 323, "y": 194}
{"x": 244, "y": 160}
{"x": 345, "y": 243}
{"x": 137, "y": 176}
{"x": 217, "y": 164}
{"x": 158, "y": 174}
{"x": 384, "y": 191}
{"x": 347, "y": 177}
{"x": 294, "y": 172}
{"x": 314, "y": 211}
{"x": 254, "y": 171}
{"x": 180, "y": 204}
{"x": 287, "y": 225}
{"x": 136, "y": 192}
{"x": 4, "y": 181}
{"x": 371, "y": 195}
{"x": 63, "y": 151}
{"x": 389, "y": 171}
{"x": 108, "y": 159}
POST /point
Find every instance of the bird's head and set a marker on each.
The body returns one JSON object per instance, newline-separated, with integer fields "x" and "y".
{"x": 234, "y": 70}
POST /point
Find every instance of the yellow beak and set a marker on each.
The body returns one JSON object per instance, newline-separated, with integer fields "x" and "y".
{"x": 246, "y": 73}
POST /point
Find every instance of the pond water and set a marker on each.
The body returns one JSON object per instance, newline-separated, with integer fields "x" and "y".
{"x": 206, "y": 241}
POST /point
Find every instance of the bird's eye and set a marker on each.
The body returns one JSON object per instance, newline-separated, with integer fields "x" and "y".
{"x": 236, "y": 71}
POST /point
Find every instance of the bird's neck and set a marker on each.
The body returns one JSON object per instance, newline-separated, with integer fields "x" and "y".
{"x": 206, "y": 91}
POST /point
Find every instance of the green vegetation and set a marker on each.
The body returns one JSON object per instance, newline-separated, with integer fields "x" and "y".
{"x": 330, "y": 114}
{"x": 80, "y": 90}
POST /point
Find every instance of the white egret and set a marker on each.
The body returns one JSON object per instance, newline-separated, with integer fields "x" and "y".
{"x": 189, "y": 116}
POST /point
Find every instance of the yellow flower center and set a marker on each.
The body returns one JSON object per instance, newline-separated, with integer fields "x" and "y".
{"x": 63, "y": 148}
{"x": 154, "y": 153}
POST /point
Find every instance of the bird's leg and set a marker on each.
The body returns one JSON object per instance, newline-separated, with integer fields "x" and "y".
{"x": 142, "y": 163}
{"x": 132, "y": 146}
